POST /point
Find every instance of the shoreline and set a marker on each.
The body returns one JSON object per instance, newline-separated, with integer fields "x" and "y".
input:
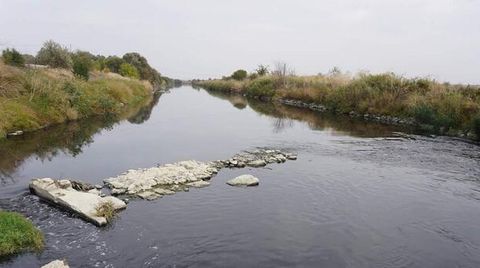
{"x": 382, "y": 119}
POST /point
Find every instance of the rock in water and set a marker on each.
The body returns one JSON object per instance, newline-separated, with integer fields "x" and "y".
{"x": 61, "y": 193}
{"x": 56, "y": 264}
{"x": 257, "y": 163}
{"x": 244, "y": 180}
{"x": 198, "y": 184}
{"x": 171, "y": 177}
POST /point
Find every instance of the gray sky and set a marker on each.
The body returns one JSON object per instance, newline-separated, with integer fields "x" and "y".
{"x": 211, "y": 38}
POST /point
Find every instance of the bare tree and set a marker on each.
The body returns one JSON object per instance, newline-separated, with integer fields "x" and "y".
{"x": 282, "y": 71}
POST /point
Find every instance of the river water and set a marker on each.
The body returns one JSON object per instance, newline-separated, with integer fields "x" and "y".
{"x": 359, "y": 195}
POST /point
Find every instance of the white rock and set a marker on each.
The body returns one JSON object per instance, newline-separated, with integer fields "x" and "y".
{"x": 199, "y": 184}
{"x": 257, "y": 163}
{"x": 161, "y": 191}
{"x": 244, "y": 180}
{"x": 148, "y": 195}
{"x": 136, "y": 182}
{"x": 56, "y": 264}
{"x": 82, "y": 203}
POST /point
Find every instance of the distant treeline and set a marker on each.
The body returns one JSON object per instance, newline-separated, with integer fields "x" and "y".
{"x": 81, "y": 63}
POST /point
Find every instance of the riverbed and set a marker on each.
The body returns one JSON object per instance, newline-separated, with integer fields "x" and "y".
{"x": 360, "y": 194}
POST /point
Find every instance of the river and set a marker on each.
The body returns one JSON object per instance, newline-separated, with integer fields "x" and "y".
{"x": 359, "y": 195}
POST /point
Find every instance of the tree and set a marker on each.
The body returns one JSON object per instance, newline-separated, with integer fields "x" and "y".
{"x": 128, "y": 70}
{"x": 262, "y": 70}
{"x": 54, "y": 55}
{"x": 239, "y": 74}
{"x": 29, "y": 59}
{"x": 145, "y": 71}
{"x": 335, "y": 71}
{"x": 13, "y": 57}
{"x": 113, "y": 63}
{"x": 82, "y": 63}
{"x": 282, "y": 70}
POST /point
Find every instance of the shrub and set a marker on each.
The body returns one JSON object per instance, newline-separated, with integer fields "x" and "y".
{"x": 261, "y": 87}
{"x": 106, "y": 210}
{"x": 54, "y": 55}
{"x": 476, "y": 125}
{"x": 239, "y": 75}
{"x": 29, "y": 59}
{"x": 13, "y": 57}
{"x": 424, "y": 114}
{"x": 113, "y": 63}
{"x": 82, "y": 64}
{"x": 262, "y": 70}
{"x": 129, "y": 70}
{"x": 18, "y": 234}
{"x": 145, "y": 71}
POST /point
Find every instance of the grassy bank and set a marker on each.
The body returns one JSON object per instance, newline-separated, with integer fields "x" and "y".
{"x": 31, "y": 99}
{"x": 17, "y": 234}
{"x": 448, "y": 109}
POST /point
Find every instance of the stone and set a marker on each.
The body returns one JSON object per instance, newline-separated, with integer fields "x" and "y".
{"x": 155, "y": 182}
{"x": 244, "y": 180}
{"x": 84, "y": 204}
{"x": 148, "y": 195}
{"x": 291, "y": 156}
{"x": 15, "y": 133}
{"x": 257, "y": 163}
{"x": 137, "y": 182}
{"x": 81, "y": 186}
{"x": 198, "y": 184}
{"x": 161, "y": 191}
{"x": 56, "y": 264}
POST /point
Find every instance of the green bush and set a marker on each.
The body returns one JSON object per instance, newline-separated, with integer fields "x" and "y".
{"x": 18, "y": 234}
{"x": 476, "y": 126}
{"x": 425, "y": 114}
{"x": 239, "y": 75}
{"x": 82, "y": 64}
{"x": 113, "y": 63}
{"x": 145, "y": 71}
{"x": 13, "y": 57}
{"x": 261, "y": 87}
{"x": 29, "y": 59}
{"x": 129, "y": 70}
{"x": 54, "y": 55}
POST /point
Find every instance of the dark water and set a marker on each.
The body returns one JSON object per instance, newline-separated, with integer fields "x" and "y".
{"x": 358, "y": 195}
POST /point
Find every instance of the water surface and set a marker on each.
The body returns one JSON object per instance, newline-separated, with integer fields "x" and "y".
{"x": 358, "y": 195}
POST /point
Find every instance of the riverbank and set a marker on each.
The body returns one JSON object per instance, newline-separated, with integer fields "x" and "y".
{"x": 35, "y": 98}
{"x": 452, "y": 110}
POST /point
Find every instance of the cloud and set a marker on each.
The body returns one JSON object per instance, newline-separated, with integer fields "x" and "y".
{"x": 210, "y": 38}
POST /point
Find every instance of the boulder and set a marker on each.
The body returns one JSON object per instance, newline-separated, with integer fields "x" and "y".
{"x": 244, "y": 180}
{"x": 56, "y": 264}
{"x": 85, "y": 204}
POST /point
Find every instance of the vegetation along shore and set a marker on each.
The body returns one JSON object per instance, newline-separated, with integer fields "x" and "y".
{"x": 18, "y": 234}
{"x": 439, "y": 107}
{"x": 59, "y": 85}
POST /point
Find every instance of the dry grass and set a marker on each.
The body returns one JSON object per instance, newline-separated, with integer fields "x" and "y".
{"x": 443, "y": 106}
{"x": 106, "y": 210}
{"x": 33, "y": 98}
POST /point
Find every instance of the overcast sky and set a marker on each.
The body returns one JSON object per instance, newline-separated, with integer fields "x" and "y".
{"x": 210, "y": 38}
